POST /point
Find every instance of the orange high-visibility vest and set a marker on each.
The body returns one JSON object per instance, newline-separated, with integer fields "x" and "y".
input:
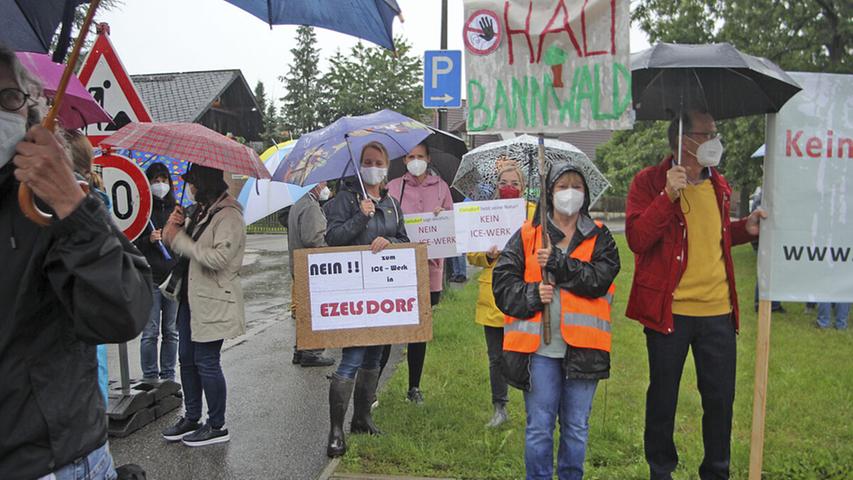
{"x": 585, "y": 322}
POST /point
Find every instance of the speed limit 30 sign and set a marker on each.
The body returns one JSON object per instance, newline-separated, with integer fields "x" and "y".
{"x": 129, "y": 192}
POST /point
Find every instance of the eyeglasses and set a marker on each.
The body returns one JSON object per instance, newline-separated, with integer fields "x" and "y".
{"x": 705, "y": 135}
{"x": 12, "y": 99}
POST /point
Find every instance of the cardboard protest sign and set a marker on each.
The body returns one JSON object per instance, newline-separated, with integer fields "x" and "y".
{"x": 436, "y": 231}
{"x": 481, "y": 225}
{"x": 547, "y": 66}
{"x": 806, "y": 244}
{"x": 349, "y": 296}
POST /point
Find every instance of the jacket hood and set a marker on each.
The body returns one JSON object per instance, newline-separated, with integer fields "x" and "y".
{"x": 557, "y": 170}
{"x": 431, "y": 179}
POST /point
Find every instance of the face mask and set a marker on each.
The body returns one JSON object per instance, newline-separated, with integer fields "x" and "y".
{"x": 188, "y": 194}
{"x": 324, "y": 194}
{"x": 13, "y": 128}
{"x": 416, "y": 167}
{"x": 709, "y": 153}
{"x": 508, "y": 191}
{"x": 160, "y": 190}
{"x": 373, "y": 175}
{"x": 569, "y": 201}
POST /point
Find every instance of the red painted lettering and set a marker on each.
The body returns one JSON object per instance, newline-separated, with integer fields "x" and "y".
{"x": 324, "y": 310}
{"x": 411, "y": 304}
{"x": 814, "y": 147}
{"x": 792, "y": 144}
{"x": 515, "y": 31}
{"x": 372, "y": 307}
{"x": 401, "y": 305}
{"x": 565, "y": 27}
{"x": 344, "y": 309}
{"x": 387, "y": 306}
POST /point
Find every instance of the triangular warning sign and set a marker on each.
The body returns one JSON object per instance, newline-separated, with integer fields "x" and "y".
{"x": 106, "y": 79}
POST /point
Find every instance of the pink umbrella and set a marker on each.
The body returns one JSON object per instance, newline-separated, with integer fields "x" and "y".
{"x": 78, "y": 108}
{"x": 189, "y": 142}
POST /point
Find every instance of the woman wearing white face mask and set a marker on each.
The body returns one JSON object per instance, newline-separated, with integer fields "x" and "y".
{"x": 419, "y": 191}
{"x": 559, "y": 379}
{"x": 164, "y": 311}
{"x": 353, "y": 220}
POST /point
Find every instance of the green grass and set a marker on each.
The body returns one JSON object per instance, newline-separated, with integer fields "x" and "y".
{"x": 809, "y": 425}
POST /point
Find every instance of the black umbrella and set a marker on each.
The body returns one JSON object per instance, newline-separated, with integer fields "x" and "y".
{"x": 669, "y": 78}
{"x": 28, "y": 26}
{"x": 445, "y": 153}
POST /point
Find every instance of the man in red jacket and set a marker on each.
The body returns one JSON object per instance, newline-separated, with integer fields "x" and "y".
{"x": 683, "y": 292}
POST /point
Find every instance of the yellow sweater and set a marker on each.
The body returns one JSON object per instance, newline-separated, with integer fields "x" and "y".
{"x": 703, "y": 289}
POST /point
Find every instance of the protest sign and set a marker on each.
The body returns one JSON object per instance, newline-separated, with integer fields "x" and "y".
{"x": 482, "y": 225}
{"x": 806, "y": 244}
{"x": 547, "y": 66}
{"x": 436, "y": 231}
{"x": 350, "y": 296}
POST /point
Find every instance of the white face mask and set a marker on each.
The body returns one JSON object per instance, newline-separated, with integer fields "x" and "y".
{"x": 416, "y": 167}
{"x": 373, "y": 175}
{"x": 13, "y": 128}
{"x": 324, "y": 194}
{"x": 569, "y": 201}
{"x": 160, "y": 190}
{"x": 188, "y": 194}
{"x": 709, "y": 153}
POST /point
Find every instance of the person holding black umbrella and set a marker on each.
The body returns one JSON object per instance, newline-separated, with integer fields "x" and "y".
{"x": 683, "y": 292}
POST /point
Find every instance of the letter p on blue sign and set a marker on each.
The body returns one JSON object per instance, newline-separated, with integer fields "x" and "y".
{"x": 442, "y": 79}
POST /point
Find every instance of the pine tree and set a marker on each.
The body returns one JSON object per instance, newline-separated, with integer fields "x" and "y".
{"x": 303, "y": 101}
{"x": 270, "y": 121}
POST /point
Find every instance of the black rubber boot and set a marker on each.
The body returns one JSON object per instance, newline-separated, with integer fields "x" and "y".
{"x": 340, "y": 391}
{"x": 315, "y": 358}
{"x": 365, "y": 393}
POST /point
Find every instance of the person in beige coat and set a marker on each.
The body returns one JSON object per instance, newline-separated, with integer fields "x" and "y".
{"x": 210, "y": 240}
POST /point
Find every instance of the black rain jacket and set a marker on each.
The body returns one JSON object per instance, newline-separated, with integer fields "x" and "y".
{"x": 64, "y": 289}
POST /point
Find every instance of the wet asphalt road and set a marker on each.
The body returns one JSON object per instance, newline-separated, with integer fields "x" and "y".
{"x": 277, "y": 413}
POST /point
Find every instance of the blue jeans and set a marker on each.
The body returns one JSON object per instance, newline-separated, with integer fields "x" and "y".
{"x": 824, "y": 311}
{"x": 201, "y": 372}
{"x": 552, "y": 395}
{"x": 353, "y": 358}
{"x": 458, "y": 266}
{"x": 97, "y": 465}
{"x": 163, "y": 312}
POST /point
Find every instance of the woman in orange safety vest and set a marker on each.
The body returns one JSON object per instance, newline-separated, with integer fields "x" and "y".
{"x": 559, "y": 378}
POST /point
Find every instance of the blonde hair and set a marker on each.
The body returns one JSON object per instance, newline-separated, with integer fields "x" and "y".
{"x": 512, "y": 167}
{"x": 376, "y": 146}
{"x": 81, "y": 152}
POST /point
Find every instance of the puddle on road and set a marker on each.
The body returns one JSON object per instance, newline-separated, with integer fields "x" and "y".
{"x": 266, "y": 289}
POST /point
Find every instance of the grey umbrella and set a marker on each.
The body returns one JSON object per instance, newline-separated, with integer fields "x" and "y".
{"x": 670, "y": 78}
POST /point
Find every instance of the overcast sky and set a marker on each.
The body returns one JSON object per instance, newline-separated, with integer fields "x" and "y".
{"x": 158, "y": 36}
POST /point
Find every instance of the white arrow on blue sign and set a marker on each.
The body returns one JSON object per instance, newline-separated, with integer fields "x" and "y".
{"x": 442, "y": 79}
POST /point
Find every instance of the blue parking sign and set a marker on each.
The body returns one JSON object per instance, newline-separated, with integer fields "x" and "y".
{"x": 442, "y": 79}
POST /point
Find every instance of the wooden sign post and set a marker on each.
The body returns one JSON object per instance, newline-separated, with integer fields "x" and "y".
{"x": 759, "y": 399}
{"x": 349, "y": 296}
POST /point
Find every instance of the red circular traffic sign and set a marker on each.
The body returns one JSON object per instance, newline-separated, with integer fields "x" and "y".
{"x": 129, "y": 192}
{"x": 482, "y": 32}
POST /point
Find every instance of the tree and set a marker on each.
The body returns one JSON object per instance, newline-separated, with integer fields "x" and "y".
{"x": 270, "y": 121}
{"x": 303, "y": 101}
{"x": 812, "y": 35}
{"x": 373, "y": 78}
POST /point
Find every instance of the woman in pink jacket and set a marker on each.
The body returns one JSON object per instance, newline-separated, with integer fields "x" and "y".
{"x": 420, "y": 191}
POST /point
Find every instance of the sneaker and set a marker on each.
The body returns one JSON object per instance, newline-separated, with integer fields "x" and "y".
{"x": 206, "y": 435}
{"x": 415, "y": 396}
{"x": 181, "y": 429}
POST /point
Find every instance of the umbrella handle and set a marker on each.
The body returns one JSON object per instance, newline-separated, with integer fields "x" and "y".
{"x": 26, "y": 199}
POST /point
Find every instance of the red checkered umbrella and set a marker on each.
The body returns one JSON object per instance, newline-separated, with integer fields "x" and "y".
{"x": 189, "y": 142}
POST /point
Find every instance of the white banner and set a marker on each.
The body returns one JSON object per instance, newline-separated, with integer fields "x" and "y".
{"x": 363, "y": 289}
{"x": 806, "y": 245}
{"x": 548, "y": 65}
{"x": 436, "y": 231}
{"x": 482, "y": 225}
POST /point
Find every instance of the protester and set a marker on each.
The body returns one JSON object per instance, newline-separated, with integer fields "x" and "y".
{"x": 683, "y": 291}
{"x": 210, "y": 239}
{"x": 420, "y": 191}
{"x": 560, "y": 376}
{"x": 353, "y": 220}
{"x": 511, "y": 184}
{"x": 66, "y": 287}
{"x": 164, "y": 311}
{"x": 824, "y": 310}
{"x": 306, "y": 228}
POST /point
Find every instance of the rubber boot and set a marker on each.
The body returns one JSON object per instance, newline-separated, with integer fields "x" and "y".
{"x": 315, "y": 358}
{"x": 365, "y": 392}
{"x": 499, "y": 417}
{"x": 340, "y": 391}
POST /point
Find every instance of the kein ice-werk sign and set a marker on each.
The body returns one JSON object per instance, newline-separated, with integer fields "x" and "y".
{"x": 363, "y": 289}
{"x": 548, "y": 65}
